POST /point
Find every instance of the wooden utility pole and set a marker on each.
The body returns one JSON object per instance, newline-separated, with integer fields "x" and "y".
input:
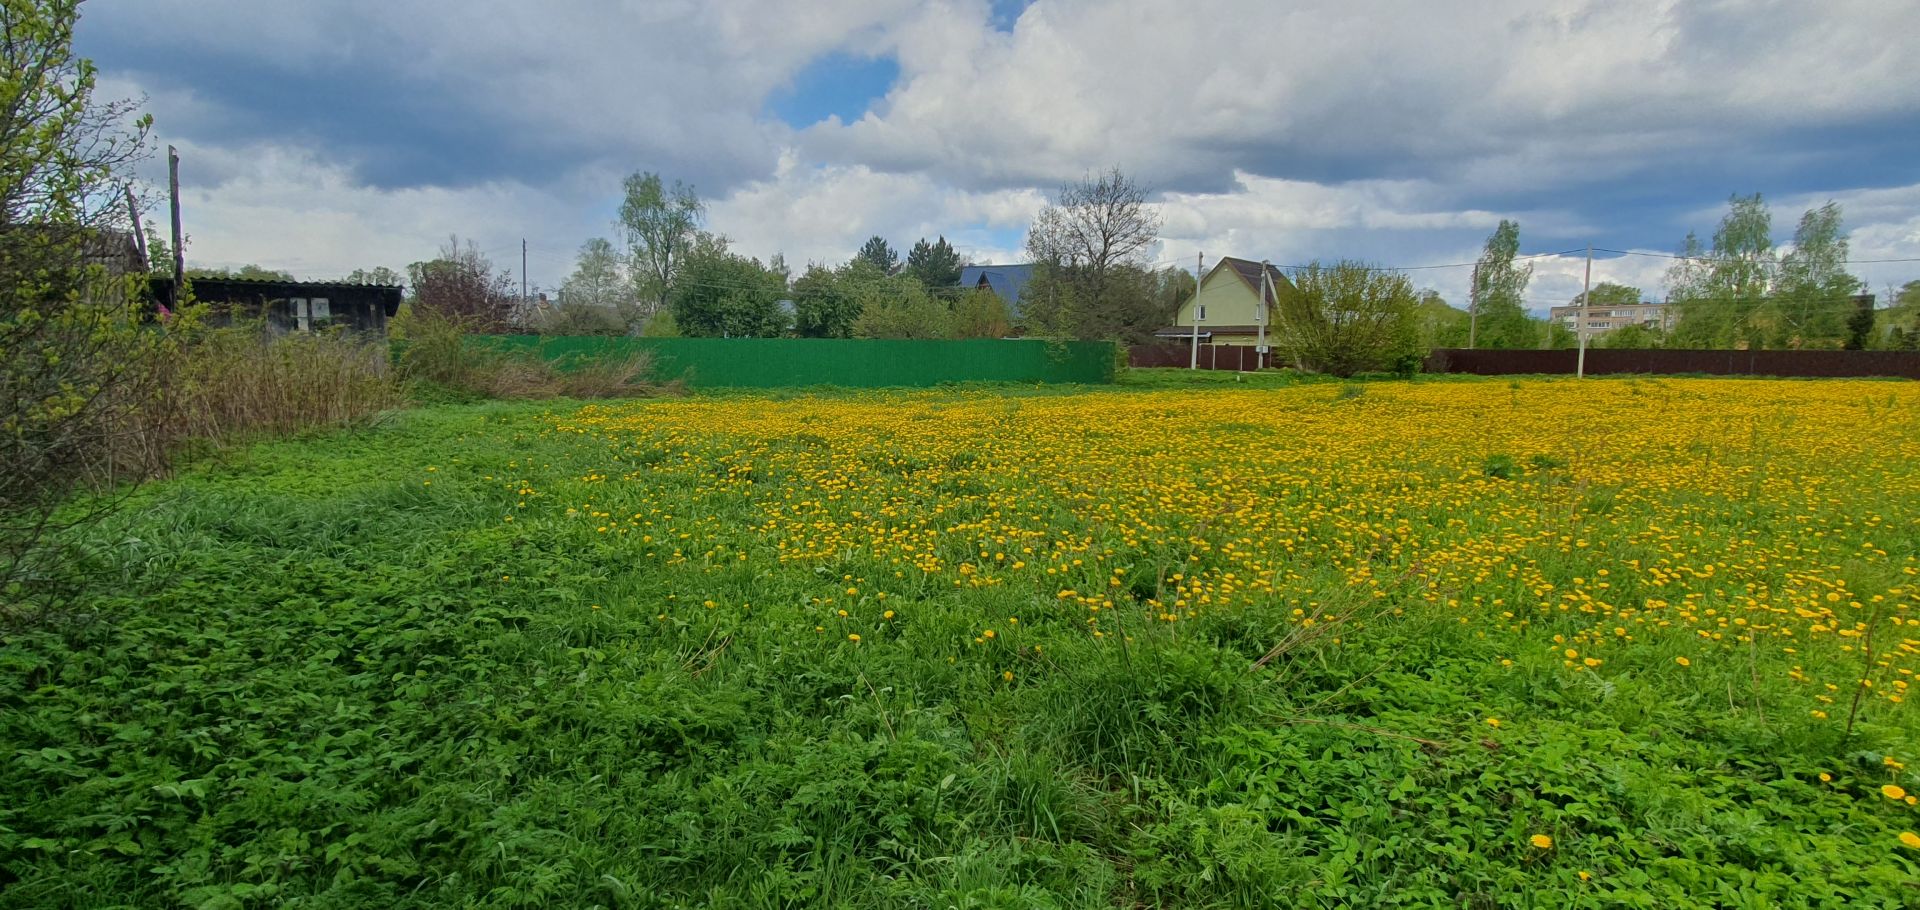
{"x": 1473, "y": 308}
{"x": 1267, "y": 293}
{"x": 1580, "y": 318}
{"x": 139, "y": 233}
{"x": 523, "y": 271}
{"x": 1199, "y": 274}
{"x": 179, "y": 254}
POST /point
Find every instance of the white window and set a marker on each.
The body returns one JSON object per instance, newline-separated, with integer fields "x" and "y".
{"x": 300, "y": 316}
{"x": 1200, "y": 312}
{"x": 317, "y": 308}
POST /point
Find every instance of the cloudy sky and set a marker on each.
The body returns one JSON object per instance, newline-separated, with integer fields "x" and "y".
{"x": 319, "y": 136}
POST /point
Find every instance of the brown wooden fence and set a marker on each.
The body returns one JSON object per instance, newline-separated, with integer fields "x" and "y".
{"x": 1904, "y": 364}
{"x": 1237, "y": 357}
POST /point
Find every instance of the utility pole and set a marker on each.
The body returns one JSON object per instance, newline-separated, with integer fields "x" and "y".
{"x": 139, "y": 233}
{"x": 179, "y": 255}
{"x": 1260, "y": 315}
{"x": 1199, "y": 274}
{"x": 1580, "y": 318}
{"x": 1473, "y": 308}
{"x": 523, "y": 271}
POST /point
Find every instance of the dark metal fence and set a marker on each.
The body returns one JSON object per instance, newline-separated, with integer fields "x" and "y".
{"x": 1904, "y": 364}
{"x": 1238, "y": 357}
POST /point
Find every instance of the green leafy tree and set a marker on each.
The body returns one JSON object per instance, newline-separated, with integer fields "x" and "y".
{"x": 1742, "y": 293}
{"x": 1898, "y": 326}
{"x": 663, "y": 227}
{"x": 1440, "y": 325}
{"x": 981, "y": 314}
{"x": 899, "y": 307}
{"x": 248, "y": 272}
{"x": 77, "y": 384}
{"x": 936, "y": 265}
{"x": 1718, "y": 293}
{"x": 599, "y": 281}
{"x": 1500, "y": 291}
{"x": 722, "y": 294}
{"x": 1608, "y": 294}
{"x": 877, "y": 253}
{"x": 1814, "y": 294}
{"x": 1631, "y": 337}
{"x": 1349, "y": 318}
{"x": 377, "y": 275}
{"x": 823, "y": 304}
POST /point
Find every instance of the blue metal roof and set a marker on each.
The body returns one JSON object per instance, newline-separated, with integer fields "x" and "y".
{"x": 1007, "y": 281}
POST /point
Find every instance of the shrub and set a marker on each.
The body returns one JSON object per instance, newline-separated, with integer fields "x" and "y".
{"x": 437, "y": 352}
{"x": 232, "y": 382}
{"x": 1349, "y": 318}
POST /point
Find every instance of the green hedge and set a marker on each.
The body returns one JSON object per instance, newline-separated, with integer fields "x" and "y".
{"x": 779, "y": 362}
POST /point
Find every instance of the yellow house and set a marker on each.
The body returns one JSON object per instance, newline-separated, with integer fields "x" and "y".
{"x": 1228, "y": 307}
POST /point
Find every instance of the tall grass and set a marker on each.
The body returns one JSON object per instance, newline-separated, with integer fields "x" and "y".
{"x": 433, "y": 351}
{"x": 238, "y": 382}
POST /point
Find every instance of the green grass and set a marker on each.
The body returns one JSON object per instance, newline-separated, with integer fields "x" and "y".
{"x": 401, "y": 667}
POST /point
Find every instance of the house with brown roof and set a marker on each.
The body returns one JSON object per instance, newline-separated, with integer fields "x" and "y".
{"x": 1229, "y": 308}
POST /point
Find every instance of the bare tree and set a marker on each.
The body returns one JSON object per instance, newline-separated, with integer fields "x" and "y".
{"x": 1096, "y": 223}
{"x": 1094, "y": 235}
{"x": 461, "y": 285}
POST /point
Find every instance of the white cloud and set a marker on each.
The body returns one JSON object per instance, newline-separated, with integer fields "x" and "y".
{"x": 1400, "y": 132}
{"x": 823, "y": 214}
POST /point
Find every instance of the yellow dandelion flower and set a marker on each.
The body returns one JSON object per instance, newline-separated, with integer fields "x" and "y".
{"x": 1683, "y": 662}
{"x": 1910, "y": 840}
{"x": 1542, "y": 841}
{"x": 853, "y": 637}
{"x": 1893, "y": 791}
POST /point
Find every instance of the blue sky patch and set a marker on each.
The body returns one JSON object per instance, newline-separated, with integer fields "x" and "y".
{"x": 837, "y": 84}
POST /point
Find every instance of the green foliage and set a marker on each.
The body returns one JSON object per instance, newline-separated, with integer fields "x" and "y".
{"x": 662, "y": 224}
{"x": 334, "y": 674}
{"x": 935, "y": 265}
{"x": 1633, "y": 336}
{"x": 825, "y": 304}
{"x": 1501, "y": 293}
{"x": 1608, "y": 294}
{"x": 722, "y": 294}
{"x": 876, "y": 252}
{"x": 599, "y": 280}
{"x": 376, "y": 275}
{"x": 897, "y": 307}
{"x": 1741, "y": 293}
{"x": 1348, "y": 318}
{"x": 982, "y": 314}
{"x": 76, "y": 357}
{"x": 1499, "y": 466}
{"x": 247, "y": 272}
{"x": 440, "y": 360}
{"x": 1440, "y": 325}
{"x": 579, "y": 319}
{"x": 1126, "y": 304}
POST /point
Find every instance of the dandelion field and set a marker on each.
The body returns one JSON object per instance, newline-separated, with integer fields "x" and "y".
{"x": 1614, "y": 643}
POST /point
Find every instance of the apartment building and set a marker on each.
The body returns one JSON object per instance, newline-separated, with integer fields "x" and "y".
{"x": 1600, "y": 319}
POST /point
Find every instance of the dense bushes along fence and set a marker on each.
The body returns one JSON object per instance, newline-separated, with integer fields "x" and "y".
{"x": 1720, "y": 363}
{"x": 874, "y": 363}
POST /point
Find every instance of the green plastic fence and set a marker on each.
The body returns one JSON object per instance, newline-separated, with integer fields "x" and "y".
{"x": 857, "y": 363}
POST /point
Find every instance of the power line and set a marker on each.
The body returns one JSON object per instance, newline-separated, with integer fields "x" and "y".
{"x": 1754, "y": 262}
